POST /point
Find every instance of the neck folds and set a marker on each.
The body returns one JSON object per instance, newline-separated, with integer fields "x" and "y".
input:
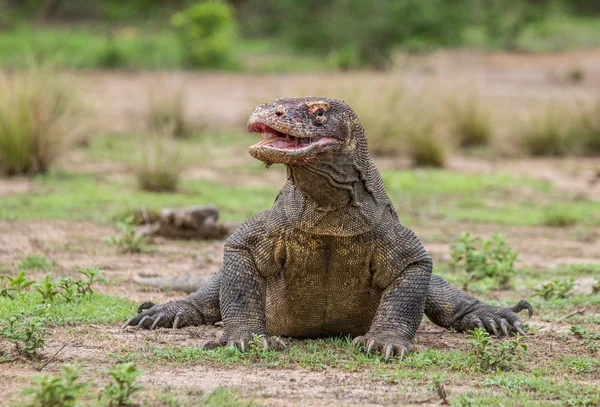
{"x": 330, "y": 199}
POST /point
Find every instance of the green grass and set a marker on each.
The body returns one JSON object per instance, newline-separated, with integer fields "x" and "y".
{"x": 85, "y": 48}
{"x": 36, "y": 262}
{"x": 538, "y": 381}
{"x": 92, "y": 309}
{"x": 89, "y": 196}
{"x": 477, "y": 197}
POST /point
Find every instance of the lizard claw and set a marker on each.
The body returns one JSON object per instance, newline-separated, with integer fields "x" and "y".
{"x": 175, "y": 314}
{"x": 388, "y": 343}
{"x": 177, "y": 320}
{"x": 521, "y": 305}
{"x": 156, "y": 322}
{"x": 144, "y": 306}
{"x": 500, "y": 321}
{"x": 243, "y": 340}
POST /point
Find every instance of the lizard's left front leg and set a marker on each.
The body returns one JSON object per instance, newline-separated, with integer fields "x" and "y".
{"x": 400, "y": 312}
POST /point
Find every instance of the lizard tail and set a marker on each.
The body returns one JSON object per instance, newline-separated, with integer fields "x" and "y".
{"x": 187, "y": 283}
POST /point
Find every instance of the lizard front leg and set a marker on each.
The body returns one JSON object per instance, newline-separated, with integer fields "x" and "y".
{"x": 400, "y": 312}
{"x": 242, "y": 298}
{"x": 449, "y": 307}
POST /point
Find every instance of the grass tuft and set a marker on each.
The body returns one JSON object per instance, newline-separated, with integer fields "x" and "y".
{"x": 586, "y": 130}
{"x": 36, "y": 262}
{"x": 547, "y": 134}
{"x": 559, "y": 216}
{"x": 426, "y": 148}
{"x": 39, "y": 120}
{"x": 471, "y": 122}
{"x": 166, "y": 111}
{"x": 159, "y": 165}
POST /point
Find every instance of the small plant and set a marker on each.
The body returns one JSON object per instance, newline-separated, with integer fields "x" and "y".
{"x": 130, "y": 241}
{"x": 488, "y": 355}
{"x": 51, "y": 391}
{"x": 166, "y": 111}
{"x": 47, "y": 288}
{"x": 158, "y": 166}
{"x": 36, "y": 262}
{"x": 68, "y": 289}
{"x": 471, "y": 123}
{"x": 547, "y": 134}
{"x": 557, "y": 289}
{"x": 438, "y": 385}
{"x": 27, "y": 333}
{"x": 558, "y": 216}
{"x": 39, "y": 120}
{"x": 92, "y": 275}
{"x": 119, "y": 391}
{"x": 484, "y": 259}
{"x": 206, "y": 31}
{"x": 16, "y": 285}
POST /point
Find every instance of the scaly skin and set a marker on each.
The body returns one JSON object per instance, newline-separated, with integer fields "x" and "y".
{"x": 330, "y": 257}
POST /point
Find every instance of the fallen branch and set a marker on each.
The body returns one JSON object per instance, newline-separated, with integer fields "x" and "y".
{"x": 579, "y": 311}
{"x": 39, "y": 369}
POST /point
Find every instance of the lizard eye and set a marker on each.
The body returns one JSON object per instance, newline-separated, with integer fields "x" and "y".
{"x": 320, "y": 113}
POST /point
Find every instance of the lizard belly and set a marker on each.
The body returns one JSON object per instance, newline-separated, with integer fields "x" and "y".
{"x": 324, "y": 288}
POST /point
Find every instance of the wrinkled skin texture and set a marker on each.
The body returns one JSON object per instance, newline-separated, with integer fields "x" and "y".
{"x": 330, "y": 257}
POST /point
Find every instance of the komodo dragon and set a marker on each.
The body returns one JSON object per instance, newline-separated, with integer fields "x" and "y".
{"x": 330, "y": 257}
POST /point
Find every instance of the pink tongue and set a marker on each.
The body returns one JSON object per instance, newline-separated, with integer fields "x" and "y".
{"x": 286, "y": 145}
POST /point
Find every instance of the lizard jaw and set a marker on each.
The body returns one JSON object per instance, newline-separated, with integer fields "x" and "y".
{"x": 279, "y": 147}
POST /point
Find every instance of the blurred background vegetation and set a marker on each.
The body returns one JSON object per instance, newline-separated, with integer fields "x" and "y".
{"x": 333, "y": 34}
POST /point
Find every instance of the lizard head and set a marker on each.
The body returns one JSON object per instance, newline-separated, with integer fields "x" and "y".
{"x": 301, "y": 130}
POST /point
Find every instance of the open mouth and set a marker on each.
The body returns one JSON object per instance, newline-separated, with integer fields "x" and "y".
{"x": 281, "y": 141}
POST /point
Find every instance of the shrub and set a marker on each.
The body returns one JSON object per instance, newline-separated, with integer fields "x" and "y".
{"x": 206, "y": 34}
{"x": 471, "y": 122}
{"x": 166, "y": 111}
{"x": 547, "y": 134}
{"x": 481, "y": 259}
{"x": 27, "y": 332}
{"x": 39, "y": 120}
{"x": 158, "y": 165}
{"x": 427, "y": 150}
{"x": 119, "y": 391}
{"x": 15, "y": 285}
{"x": 556, "y": 289}
{"x": 50, "y": 391}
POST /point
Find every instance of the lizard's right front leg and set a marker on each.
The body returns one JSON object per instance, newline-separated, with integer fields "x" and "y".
{"x": 201, "y": 307}
{"x": 242, "y": 297}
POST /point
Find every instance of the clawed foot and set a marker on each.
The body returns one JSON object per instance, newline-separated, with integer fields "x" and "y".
{"x": 496, "y": 320}
{"x": 174, "y": 314}
{"x": 243, "y": 340}
{"x": 385, "y": 342}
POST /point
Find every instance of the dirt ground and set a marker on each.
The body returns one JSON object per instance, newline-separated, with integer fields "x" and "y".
{"x": 509, "y": 81}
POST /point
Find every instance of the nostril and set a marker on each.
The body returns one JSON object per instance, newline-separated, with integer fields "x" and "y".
{"x": 279, "y": 112}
